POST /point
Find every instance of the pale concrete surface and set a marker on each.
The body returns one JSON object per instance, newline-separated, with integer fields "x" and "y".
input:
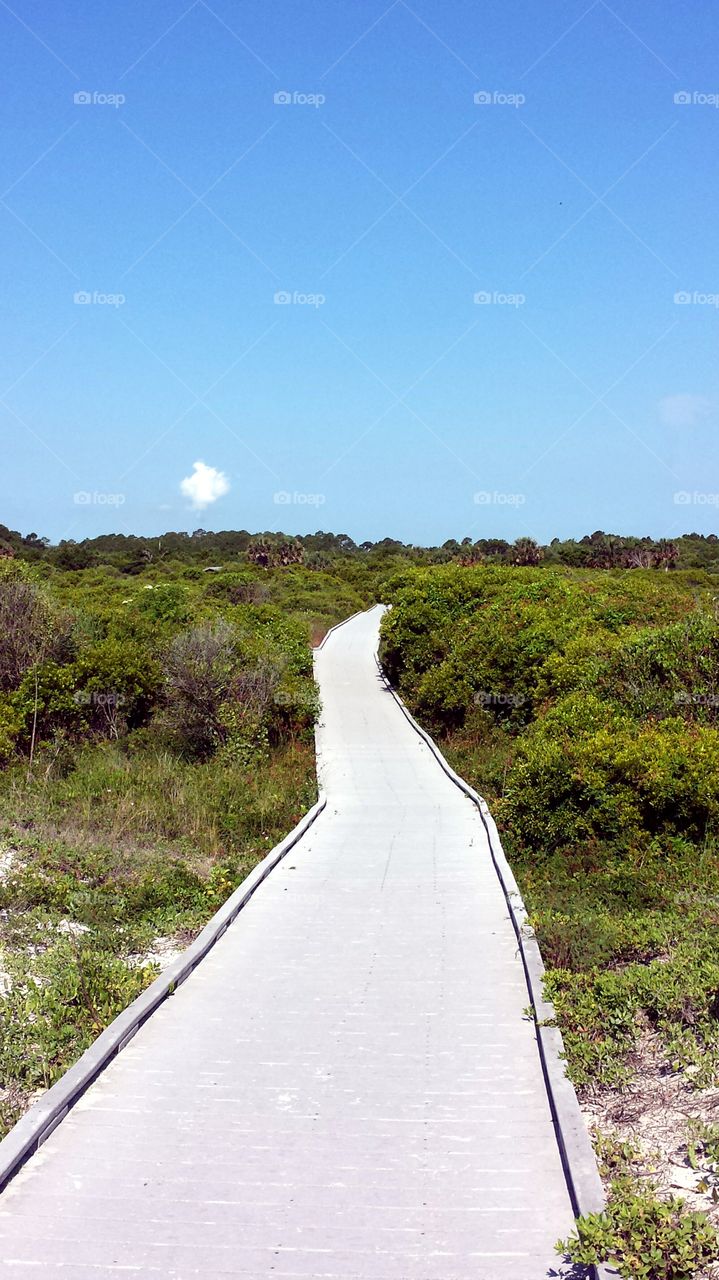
{"x": 346, "y": 1087}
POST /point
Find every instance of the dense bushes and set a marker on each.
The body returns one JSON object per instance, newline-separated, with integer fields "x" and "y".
{"x": 587, "y": 771}
{"x": 226, "y": 690}
{"x": 31, "y": 629}
{"x": 609, "y": 725}
{"x": 495, "y": 637}
{"x": 237, "y": 678}
{"x": 201, "y": 668}
{"x": 651, "y": 671}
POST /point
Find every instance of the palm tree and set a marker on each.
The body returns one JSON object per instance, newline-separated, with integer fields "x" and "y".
{"x": 667, "y": 554}
{"x": 526, "y": 551}
{"x": 259, "y": 552}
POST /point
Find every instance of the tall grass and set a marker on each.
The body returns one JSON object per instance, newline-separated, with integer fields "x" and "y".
{"x": 206, "y": 811}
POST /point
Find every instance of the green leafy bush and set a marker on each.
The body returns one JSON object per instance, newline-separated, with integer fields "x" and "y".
{"x": 57, "y": 1007}
{"x": 587, "y": 771}
{"x": 10, "y": 725}
{"x": 645, "y": 1238}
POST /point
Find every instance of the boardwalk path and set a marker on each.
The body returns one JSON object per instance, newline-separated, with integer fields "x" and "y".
{"x": 346, "y": 1086}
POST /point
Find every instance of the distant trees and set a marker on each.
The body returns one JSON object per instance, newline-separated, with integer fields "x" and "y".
{"x": 73, "y": 555}
{"x": 526, "y": 551}
{"x": 472, "y": 555}
{"x": 323, "y": 550}
{"x": 667, "y": 554}
{"x": 608, "y": 552}
{"x": 269, "y": 555}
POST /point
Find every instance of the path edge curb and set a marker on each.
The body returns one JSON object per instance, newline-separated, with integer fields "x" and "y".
{"x": 337, "y": 625}
{"x": 39, "y": 1121}
{"x": 575, "y": 1147}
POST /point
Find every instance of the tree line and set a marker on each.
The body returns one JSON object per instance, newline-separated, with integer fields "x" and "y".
{"x": 321, "y": 550}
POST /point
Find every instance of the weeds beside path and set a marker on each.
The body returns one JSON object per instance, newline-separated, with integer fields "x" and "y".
{"x": 104, "y": 871}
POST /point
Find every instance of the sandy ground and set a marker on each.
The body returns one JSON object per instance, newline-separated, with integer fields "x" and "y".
{"x": 162, "y": 953}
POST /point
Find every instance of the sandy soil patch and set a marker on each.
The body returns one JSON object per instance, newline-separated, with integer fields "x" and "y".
{"x": 654, "y": 1112}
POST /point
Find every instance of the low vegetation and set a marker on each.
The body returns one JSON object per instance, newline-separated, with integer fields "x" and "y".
{"x": 644, "y": 1235}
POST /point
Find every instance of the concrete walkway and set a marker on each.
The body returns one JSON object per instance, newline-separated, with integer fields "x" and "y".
{"x": 346, "y": 1086}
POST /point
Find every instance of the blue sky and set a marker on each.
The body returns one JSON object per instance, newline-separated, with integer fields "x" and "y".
{"x": 382, "y": 399}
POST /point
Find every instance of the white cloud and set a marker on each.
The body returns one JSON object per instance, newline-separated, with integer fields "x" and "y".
{"x": 684, "y": 410}
{"x": 205, "y": 485}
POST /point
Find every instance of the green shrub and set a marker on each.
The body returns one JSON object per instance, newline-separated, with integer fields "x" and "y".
{"x": 10, "y": 726}
{"x": 653, "y": 672}
{"x": 237, "y": 689}
{"x": 586, "y": 771}
{"x": 644, "y": 1237}
{"x": 32, "y": 630}
{"x": 164, "y": 602}
{"x": 57, "y": 1007}
{"x": 117, "y": 675}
